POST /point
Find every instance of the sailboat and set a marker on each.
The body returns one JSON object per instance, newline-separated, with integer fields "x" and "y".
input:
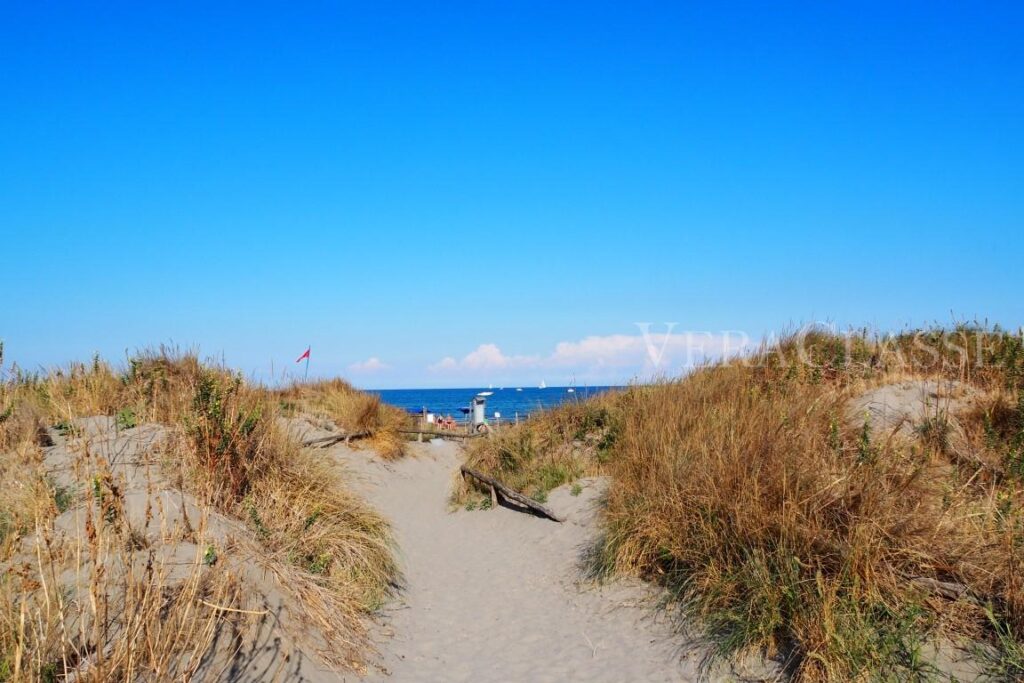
{"x": 543, "y": 385}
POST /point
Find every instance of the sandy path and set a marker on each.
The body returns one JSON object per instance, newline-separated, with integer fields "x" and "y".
{"x": 494, "y": 595}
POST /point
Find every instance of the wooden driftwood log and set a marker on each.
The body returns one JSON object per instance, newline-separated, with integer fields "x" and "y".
{"x": 947, "y": 589}
{"x": 325, "y": 441}
{"x": 442, "y": 434}
{"x": 508, "y": 494}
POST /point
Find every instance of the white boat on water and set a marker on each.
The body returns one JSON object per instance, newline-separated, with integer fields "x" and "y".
{"x": 543, "y": 385}
{"x": 519, "y": 389}
{"x": 570, "y": 390}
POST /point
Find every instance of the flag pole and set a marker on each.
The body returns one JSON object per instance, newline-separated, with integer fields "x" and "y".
{"x": 305, "y": 375}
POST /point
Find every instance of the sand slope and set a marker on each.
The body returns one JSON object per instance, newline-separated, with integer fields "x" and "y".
{"x": 495, "y": 595}
{"x": 177, "y": 529}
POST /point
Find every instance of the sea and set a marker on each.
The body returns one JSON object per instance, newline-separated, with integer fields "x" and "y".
{"x": 507, "y": 402}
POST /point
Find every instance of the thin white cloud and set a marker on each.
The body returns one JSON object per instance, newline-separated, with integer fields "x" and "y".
{"x": 489, "y": 356}
{"x": 368, "y": 366}
{"x": 639, "y": 354}
{"x": 446, "y": 363}
{"x": 613, "y": 350}
{"x": 485, "y": 357}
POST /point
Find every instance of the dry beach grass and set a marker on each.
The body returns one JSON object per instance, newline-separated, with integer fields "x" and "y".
{"x": 183, "y": 535}
{"x": 788, "y": 522}
{"x": 849, "y": 506}
{"x": 351, "y": 410}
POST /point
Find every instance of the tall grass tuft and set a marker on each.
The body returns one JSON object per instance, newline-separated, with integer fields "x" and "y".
{"x": 785, "y": 524}
{"x": 105, "y": 602}
{"x": 354, "y": 411}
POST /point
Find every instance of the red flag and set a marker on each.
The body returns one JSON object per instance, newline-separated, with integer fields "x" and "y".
{"x": 304, "y": 355}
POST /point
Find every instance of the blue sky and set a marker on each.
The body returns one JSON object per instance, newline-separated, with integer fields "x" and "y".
{"x": 498, "y": 192}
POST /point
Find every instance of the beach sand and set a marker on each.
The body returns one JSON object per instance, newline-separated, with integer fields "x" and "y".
{"x": 486, "y": 595}
{"x": 497, "y": 595}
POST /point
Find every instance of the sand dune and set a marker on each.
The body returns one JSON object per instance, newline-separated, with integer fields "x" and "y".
{"x": 497, "y": 594}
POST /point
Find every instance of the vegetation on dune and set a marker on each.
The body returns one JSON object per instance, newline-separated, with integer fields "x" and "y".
{"x": 788, "y": 523}
{"x": 551, "y": 448}
{"x": 354, "y": 411}
{"x": 129, "y": 608}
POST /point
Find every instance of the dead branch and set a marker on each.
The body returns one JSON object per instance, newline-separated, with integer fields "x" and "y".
{"x": 325, "y": 441}
{"x": 509, "y": 494}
